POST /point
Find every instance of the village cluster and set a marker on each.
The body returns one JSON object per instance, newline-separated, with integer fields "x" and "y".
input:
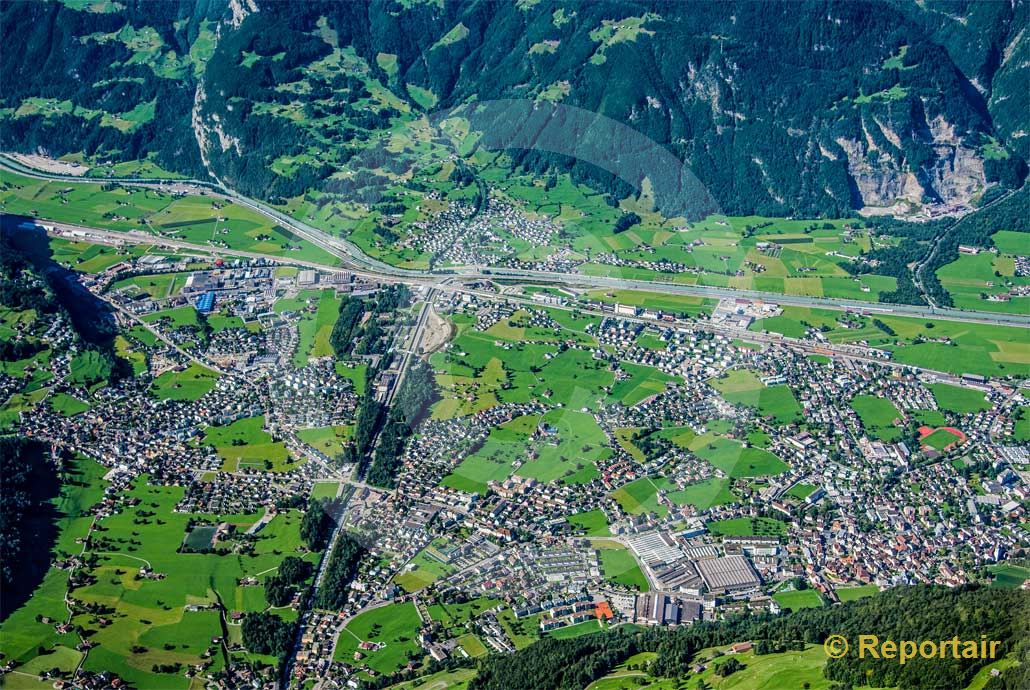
{"x": 705, "y": 501}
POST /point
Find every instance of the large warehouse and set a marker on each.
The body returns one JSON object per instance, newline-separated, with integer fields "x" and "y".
{"x": 728, "y": 575}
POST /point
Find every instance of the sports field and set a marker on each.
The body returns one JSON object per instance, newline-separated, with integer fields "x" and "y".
{"x": 799, "y": 599}
{"x": 801, "y": 491}
{"x": 940, "y": 439}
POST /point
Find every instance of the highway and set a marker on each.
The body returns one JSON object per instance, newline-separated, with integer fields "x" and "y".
{"x": 357, "y": 261}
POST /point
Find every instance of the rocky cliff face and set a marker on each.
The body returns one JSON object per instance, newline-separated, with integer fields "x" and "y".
{"x": 948, "y": 182}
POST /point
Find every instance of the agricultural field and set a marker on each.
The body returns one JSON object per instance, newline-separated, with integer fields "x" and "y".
{"x": 641, "y": 496}
{"x": 641, "y": 384}
{"x": 152, "y": 614}
{"x": 967, "y": 348}
{"x": 742, "y": 387}
{"x": 455, "y": 617}
{"x": 704, "y": 494}
{"x": 316, "y": 328}
{"x": 878, "y": 416}
{"x": 680, "y": 305}
{"x": 846, "y": 594}
{"x": 572, "y": 443}
{"x": 768, "y": 671}
{"x": 1008, "y": 575}
{"x": 592, "y": 522}
{"x": 736, "y": 459}
{"x": 190, "y": 383}
{"x": 494, "y": 461}
{"x": 619, "y": 565}
{"x": 442, "y": 680}
{"x": 67, "y": 405}
{"x": 424, "y": 569}
{"x": 576, "y": 630}
{"x": 983, "y": 281}
{"x": 88, "y": 367}
{"x": 327, "y": 439}
{"x": 1021, "y": 427}
{"x": 244, "y": 443}
{"x": 959, "y": 400}
{"x": 748, "y": 527}
{"x": 155, "y": 286}
{"x": 22, "y": 636}
{"x": 395, "y": 626}
{"x": 177, "y": 317}
{"x": 86, "y": 257}
{"x": 203, "y": 220}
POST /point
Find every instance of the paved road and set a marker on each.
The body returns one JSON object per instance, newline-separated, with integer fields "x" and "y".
{"x": 358, "y": 261}
{"x": 919, "y": 270}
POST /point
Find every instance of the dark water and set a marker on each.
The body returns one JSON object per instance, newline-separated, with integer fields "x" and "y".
{"x": 92, "y": 317}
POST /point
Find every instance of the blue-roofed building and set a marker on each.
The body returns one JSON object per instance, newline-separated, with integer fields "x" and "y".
{"x": 205, "y": 303}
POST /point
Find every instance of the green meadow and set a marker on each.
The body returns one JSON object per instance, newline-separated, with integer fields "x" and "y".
{"x": 951, "y": 346}
{"x": 592, "y": 522}
{"x": 328, "y": 439}
{"x": 736, "y": 459}
{"x": 619, "y": 565}
{"x": 139, "y": 622}
{"x": 878, "y": 416}
{"x": 743, "y": 387}
{"x": 394, "y": 625}
{"x": 244, "y": 443}
{"x": 202, "y": 220}
{"x": 959, "y": 400}
{"x": 189, "y": 384}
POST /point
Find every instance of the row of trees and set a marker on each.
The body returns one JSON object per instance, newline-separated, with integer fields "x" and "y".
{"x": 417, "y": 394}
{"x": 317, "y": 524}
{"x": 339, "y": 573}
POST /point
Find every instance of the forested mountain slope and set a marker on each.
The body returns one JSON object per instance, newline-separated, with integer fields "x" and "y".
{"x": 779, "y": 108}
